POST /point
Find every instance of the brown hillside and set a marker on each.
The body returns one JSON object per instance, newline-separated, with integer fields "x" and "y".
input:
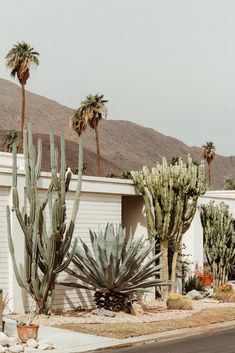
{"x": 124, "y": 145}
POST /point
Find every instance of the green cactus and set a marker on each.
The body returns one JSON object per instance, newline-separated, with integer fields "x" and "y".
{"x": 219, "y": 240}
{"x": 116, "y": 268}
{"x": 170, "y": 193}
{"x": 49, "y": 250}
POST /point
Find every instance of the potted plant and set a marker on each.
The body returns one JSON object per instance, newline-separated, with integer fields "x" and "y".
{"x": 26, "y": 329}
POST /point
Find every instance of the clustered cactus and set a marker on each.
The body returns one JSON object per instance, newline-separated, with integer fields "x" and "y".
{"x": 179, "y": 302}
{"x": 170, "y": 193}
{"x": 219, "y": 240}
{"x": 48, "y": 249}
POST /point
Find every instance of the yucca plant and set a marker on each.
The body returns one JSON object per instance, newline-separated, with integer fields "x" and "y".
{"x": 117, "y": 267}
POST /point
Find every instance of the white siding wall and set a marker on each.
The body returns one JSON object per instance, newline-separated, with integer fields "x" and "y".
{"x": 4, "y": 254}
{"x": 95, "y": 211}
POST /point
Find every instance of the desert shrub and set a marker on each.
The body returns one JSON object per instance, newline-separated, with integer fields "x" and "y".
{"x": 224, "y": 293}
{"x": 193, "y": 282}
{"x": 179, "y": 302}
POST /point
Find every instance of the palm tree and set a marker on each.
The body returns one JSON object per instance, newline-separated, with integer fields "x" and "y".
{"x": 18, "y": 60}
{"x": 91, "y": 111}
{"x": 208, "y": 151}
{"x": 10, "y": 138}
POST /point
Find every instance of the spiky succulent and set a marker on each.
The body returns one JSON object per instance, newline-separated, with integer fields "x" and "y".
{"x": 118, "y": 266}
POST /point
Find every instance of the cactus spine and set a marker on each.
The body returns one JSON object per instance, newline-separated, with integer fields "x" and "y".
{"x": 48, "y": 250}
{"x": 170, "y": 195}
{"x": 219, "y": 240}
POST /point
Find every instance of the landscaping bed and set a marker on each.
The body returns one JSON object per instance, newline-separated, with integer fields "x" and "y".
{"x": 131, "y": 329}
{"x": 155, "y": 319}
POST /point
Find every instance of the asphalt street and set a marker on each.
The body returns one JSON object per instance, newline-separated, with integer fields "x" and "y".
{"x": 215, "y": 342}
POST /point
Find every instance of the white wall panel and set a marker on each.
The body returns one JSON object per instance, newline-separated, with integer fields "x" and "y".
{"x": 4, "y": 252}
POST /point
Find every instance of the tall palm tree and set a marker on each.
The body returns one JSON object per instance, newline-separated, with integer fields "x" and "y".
{"x": 10, "y": 138}
{"x": 208, "y": 151}
{"x": 18, "y": 60}
{"x": 91, "y": 111}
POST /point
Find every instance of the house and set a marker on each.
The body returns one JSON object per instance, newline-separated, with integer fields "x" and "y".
{"x": 102, "y": 200}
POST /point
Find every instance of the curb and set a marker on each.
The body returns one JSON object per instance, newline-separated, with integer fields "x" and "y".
{"x": 167, "y": 335}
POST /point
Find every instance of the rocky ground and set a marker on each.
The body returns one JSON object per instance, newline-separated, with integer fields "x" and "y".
{"x": 156, "y": 318}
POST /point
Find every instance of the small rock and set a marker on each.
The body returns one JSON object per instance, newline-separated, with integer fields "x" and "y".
{"x": 3, "y": 339}
{"x": 209, "y": 292}
{"x": 194, "y": 294}
{"x": 2, "y": 349}
{"x": 45, "y": 347}
{"x": 30, "y": 349}
{"x": 103, "y": 312}
{"x": 137, "y": 309}
{"x": 13, "y": 341}
{"x": 16, "y": 349}
{"x": 32, "y": 343}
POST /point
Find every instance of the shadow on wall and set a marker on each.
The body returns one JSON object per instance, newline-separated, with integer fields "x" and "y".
{"x": 133, "y": 215}
{"x": 70, "y": 298}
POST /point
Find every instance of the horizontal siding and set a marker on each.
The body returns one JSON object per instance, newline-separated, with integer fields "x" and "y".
{"x": 95, "y": 211}
{"x": 4, "y": 252}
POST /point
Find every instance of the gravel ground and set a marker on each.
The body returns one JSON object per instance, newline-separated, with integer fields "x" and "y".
{"x": 156, "y": 311}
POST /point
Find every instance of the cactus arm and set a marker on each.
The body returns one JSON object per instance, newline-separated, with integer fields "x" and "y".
{"x": 79, "y": 184}
{"x": 66, "y": 263}
{"x": 12, "y": 251}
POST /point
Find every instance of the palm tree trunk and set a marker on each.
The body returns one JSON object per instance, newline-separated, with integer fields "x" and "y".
{"x": 22, "y": 112}
{"x": 97, "y": 152}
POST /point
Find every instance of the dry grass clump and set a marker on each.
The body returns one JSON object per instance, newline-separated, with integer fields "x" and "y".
{"x": 225, "y": 293}
{"x": 232, "y": 298}
{"x": 179, "y": 302}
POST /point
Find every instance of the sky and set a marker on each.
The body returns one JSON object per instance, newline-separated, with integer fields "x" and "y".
{"x": 164, "y": 64}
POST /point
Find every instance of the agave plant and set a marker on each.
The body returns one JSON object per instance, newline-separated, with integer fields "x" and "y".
{"x": 117, "y": 267}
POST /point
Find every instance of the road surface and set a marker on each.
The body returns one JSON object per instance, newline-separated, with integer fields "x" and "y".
{"x": 215, "y": 342}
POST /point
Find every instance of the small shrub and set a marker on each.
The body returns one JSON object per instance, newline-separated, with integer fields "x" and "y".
{"x": 179, "y": 302}
{"x": 224, "y": 293}
{"x": 193, "y": 282}
{"x": 225, "y": 288}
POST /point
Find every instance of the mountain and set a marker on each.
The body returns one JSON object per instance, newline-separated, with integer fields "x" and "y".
{"x": 124, "y": 145}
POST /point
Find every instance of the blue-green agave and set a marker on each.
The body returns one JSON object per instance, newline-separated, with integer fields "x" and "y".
{"x": 117, "y": 267}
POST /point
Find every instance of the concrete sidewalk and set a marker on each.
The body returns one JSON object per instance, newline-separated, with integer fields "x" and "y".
{"x": 66, "y": 341}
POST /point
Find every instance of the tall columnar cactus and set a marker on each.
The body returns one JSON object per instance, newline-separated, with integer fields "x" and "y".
{"x": 170, "y": 195}
{"x": 48, "y": 249}
{"x": 219, "y": 240}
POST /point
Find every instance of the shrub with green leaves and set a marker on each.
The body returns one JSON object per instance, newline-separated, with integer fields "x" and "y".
{"x": 117, "y": 267}
{"x": 193, "y": 283}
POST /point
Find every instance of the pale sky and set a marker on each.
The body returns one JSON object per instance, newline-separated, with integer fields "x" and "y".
{"x": 165, "y": 64}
